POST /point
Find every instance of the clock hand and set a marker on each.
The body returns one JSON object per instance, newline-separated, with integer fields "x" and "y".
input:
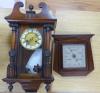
{"x": 73, "y": 56}
{"x": 37, "y": 42}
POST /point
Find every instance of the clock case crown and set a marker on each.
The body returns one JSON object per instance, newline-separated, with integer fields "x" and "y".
{"x": 16, "y": 20}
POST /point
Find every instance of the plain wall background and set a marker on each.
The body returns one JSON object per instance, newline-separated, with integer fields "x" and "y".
{"x": 70, "y": 21}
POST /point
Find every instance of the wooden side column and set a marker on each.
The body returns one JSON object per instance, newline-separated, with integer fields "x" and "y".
{"x": 11, "y": 68}
{"x": 47, "y": 60}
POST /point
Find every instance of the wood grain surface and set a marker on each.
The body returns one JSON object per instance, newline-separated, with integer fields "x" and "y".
{"x": 69, "y": 22}
{"x": 85, "y": 5}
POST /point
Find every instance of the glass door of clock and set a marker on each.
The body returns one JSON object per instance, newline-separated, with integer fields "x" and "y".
{"x": 31, "y": 49}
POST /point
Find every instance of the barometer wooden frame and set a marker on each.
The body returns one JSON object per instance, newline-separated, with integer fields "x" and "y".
{"x": 59, "y": 41}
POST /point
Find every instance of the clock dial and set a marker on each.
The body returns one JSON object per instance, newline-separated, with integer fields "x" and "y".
{"x": 74, "y": 56}
{"x": 31, "y": 39}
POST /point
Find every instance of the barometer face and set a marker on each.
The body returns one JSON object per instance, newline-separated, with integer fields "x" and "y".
{"x": 74, "y": 56}
{"x": 31, "y": 39}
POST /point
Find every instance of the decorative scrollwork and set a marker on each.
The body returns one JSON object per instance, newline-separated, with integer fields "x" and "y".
{"x": 10, "y": 87}
{"x": 14, "y": 26}
{"x": 11, "y": 67}
{"x": 37, "y": 68}
{"x": 12, "y": 55}
{"x": 48, "y": 27}
{"x": 30, "y": 13}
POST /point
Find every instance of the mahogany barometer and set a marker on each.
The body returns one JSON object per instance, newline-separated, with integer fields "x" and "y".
{"x": 30, "y": 53}
{"x": 73, "y": 54}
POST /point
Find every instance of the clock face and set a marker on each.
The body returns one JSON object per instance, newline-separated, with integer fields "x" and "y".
{"x": 31, "y": 39}
{"x": 74, "y": 56}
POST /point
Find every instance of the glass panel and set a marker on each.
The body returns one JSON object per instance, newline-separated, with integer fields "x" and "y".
{"x": 34, "y": 60}
{"x": 31, "y": 41}
{"x": 74, "y": 56}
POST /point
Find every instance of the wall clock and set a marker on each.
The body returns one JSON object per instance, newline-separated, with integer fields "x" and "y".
{"x": 30, "y": 53}
{"x": 73, "y": 54}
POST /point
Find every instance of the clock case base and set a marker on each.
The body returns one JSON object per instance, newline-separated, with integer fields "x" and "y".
{"x": 29, "y": 85}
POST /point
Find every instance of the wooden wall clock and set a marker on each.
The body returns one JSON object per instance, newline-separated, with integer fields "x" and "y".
{"x": 30, "y": 53}
{"x": 73, "y": 54}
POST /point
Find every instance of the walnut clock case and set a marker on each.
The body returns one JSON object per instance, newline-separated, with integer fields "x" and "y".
{"x": 30, "y": 53}
{"x": 73, "y": 54}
